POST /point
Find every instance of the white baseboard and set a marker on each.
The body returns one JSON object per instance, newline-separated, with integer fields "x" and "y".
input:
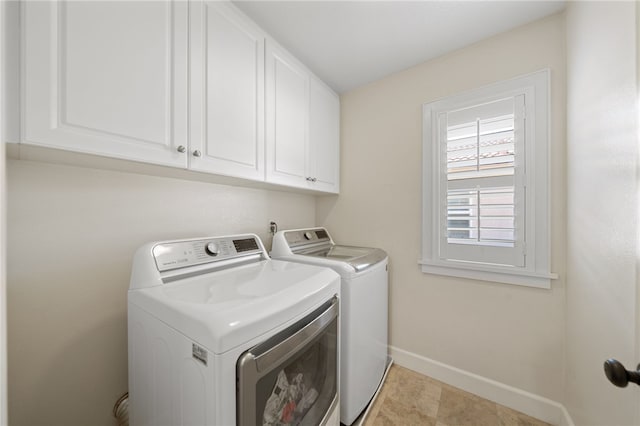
{"x": 530, "y": 404}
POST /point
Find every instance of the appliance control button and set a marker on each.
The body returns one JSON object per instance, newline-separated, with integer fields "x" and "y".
{"x": 211, "y": 249}
{"x": 308, "y": 235}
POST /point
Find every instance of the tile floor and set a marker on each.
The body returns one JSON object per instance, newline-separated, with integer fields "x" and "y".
{"x": 409, "y": 398}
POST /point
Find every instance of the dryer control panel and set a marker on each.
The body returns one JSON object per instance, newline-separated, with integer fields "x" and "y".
{"x": 171, "y": 255}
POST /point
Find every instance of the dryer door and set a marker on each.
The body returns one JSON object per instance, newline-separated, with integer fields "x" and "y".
{"x": 291, "y": 378}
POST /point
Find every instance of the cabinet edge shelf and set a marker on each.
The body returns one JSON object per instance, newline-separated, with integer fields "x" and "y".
{"x": 27, "y": 152}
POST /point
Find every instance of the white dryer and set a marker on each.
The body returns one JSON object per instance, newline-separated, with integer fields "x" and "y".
{"x": 220, "y": 334}
{"x": 364, "y": 298}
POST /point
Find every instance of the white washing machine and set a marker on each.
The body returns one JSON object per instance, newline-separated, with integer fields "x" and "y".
{"x": 220, "y": 334}
{"x": 364, "y": 298}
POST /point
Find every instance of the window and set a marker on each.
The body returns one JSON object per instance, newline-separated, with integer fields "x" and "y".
{"x": 485, "y": 183}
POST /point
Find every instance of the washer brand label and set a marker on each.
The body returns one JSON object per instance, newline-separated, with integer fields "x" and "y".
{"x": 200, "y": 353}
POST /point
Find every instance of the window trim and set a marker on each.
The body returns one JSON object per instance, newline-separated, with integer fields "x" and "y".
{"x": 536, "y": 272}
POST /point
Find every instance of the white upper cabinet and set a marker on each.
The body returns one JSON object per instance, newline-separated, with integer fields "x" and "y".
{"x": 323, "y": 162}
{"x": 287, "y": 107}
{"x": 227, "y": 92}
{"x": 189, "y": 84}
{"x": 303, "y": 125}
{"x": 107, "y": 77}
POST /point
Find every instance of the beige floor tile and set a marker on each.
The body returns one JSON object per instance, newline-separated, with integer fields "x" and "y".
{"x": 397, "y": 413}
{"x": 460, "y": 409}
{"x": 465, "y": 394}
{"x": 414, "y": 391}
{"x": 400, "y": 373}
{"x": 509, "y": 417}
{"x": 375, "y": 408}
{"x": 412, "y": 399}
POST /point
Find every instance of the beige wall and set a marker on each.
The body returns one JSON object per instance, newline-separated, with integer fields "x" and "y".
{"x": 3, "y": 235}
{"x": 71, "y": 235}
{"x": 511, "y": 334}
{"x": 602, "y": 252}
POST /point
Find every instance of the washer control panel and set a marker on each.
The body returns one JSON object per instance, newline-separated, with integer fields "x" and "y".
{"x": 212, "y": 249}
{"x": 305, "y": 236}
{"x": 180, "y": 254}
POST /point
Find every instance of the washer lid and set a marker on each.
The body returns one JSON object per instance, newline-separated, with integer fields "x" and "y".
{"x": 224, "y": 309}
{"x": 317, "y": 243}
{"x": 359, "y": 258}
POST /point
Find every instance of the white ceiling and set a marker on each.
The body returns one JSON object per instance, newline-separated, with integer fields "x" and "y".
{"x": 351, "y": 43}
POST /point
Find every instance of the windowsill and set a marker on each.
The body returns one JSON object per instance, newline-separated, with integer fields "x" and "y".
{"x": 498, "y": 274}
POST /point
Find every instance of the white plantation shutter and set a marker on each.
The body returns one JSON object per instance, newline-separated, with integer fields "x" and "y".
{"x": 486, "y": 183}
{"x": 481, "y": 217}
{"x": 482, "y": 208}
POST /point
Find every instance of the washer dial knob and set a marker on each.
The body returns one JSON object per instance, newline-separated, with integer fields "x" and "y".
{"x": 211, "y": 249}
{"x": 308, "y": 235}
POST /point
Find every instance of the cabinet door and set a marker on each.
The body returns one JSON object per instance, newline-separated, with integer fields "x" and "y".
{"x": 324, "y": 137}
{"x": 107, "y": 77}
{"x": 227, "y": 92}
{"x": 287, "y": 106}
